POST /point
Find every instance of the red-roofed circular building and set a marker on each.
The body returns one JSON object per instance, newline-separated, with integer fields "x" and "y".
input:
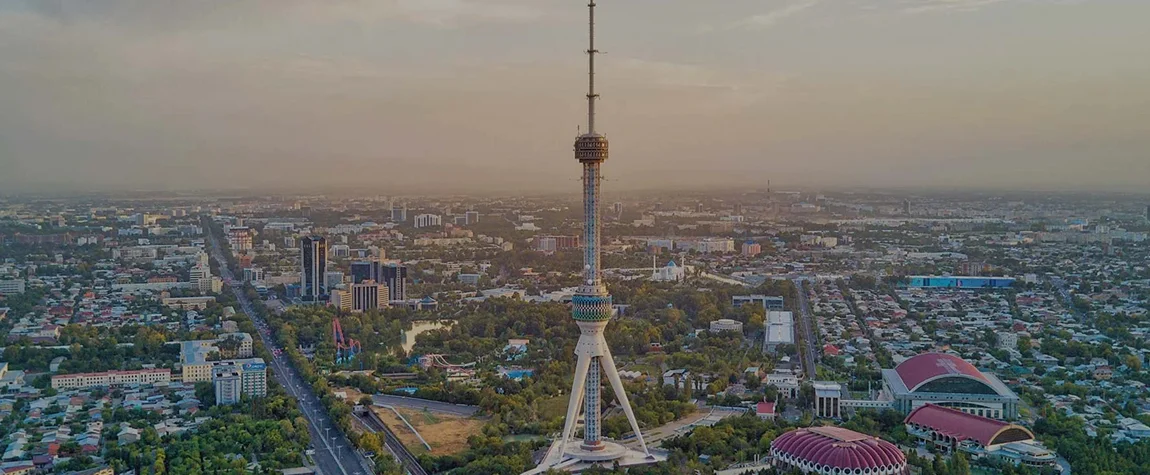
{"x": 947, "y": 380}
{"x": 837, "y": 451}
{"x": 921, "y": 370}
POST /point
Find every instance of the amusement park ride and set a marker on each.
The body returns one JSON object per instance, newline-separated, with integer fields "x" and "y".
{"x": 454, "y": 371}
{"x": 345, "y": 349}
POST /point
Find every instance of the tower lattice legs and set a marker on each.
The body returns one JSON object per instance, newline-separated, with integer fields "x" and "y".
{"x": 621, "y": 394}
{"x": 581, "y": 367}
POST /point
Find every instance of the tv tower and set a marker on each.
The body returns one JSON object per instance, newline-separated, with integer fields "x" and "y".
{"x": 591, "y": 309}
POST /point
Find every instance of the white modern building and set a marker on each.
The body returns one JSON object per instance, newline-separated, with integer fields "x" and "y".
{"x": 669, "y": 273}
{"x": 11, "y": 287}
{"x": 780, "y": 330}
{"x": 726, "y": 324}
{"x": 112, "y": 379}
{"x": 428, "y": 221}
{"x": 233, "y": 378}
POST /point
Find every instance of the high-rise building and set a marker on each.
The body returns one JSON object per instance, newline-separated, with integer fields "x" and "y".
{"x": 240, "y": 239}
{"x": 313, "y": 265}
{"x": 200, "y": 276}
{"x": 1147, "y": 212}
{"x": 472, "y": 217}
{"x": 395, "y": 278}
{"x": 698, "y": 207}
{"x": 428, "y": 221}
{"x": 232, "y": 378}
{"x": 369, "y": 295}
{"x": 618, "y": 207}
{"x": 752, "y": 249}
{"x": 227, "y": 384}
{"x": 592, "y": 310}
{"x": 341, "y": 299}
{"x": 399, "y": 213}
{"x": 365, "y": 270}
{"x": 906, "y": 207}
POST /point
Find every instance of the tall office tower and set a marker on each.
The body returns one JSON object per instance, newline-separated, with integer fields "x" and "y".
{"x": 395, "y": 278}
{"x": 399, "y": 213}
{"x": 738, "y": 209}
{"x": 472, "y": 217}
{"x": 368, "y": 295}
{"x": 313, "y": 265}
{"x": 618, "y": 207}
{"x": 1147, "y": 212}
{"x": 592, "y": 310}
{"x": 906, "y": 207}
{"x": 365, "y": 270}
{"x": 698, "y": 207}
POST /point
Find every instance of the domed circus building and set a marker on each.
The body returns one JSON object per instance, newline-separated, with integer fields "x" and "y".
{"x": 948, "y": 381}
{"x": 837, "y": 451}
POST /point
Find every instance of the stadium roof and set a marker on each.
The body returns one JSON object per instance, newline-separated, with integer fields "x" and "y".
{"x": 963, "y": 426}
{"x": 927, "y": 367}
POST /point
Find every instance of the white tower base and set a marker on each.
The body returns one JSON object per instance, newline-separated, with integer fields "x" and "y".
{"x": 571, "y": 461}
{"x": 568, "y": 454}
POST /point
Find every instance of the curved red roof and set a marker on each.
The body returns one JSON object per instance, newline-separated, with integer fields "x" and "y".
{"x": 836, "y": 447}
{"x": 929, "y": 366}
{"x": 963, "y": 426}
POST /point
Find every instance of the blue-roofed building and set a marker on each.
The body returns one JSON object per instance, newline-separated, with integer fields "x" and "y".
{"x": 960, "y": 282}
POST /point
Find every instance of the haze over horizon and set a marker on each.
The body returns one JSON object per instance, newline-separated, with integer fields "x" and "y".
{"x": 486, "y": 95}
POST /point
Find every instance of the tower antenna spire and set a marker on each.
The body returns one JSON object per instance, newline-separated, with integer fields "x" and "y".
{"x": 591, "y": 52}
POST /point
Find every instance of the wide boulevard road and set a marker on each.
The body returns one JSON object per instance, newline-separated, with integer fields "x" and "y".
{"x": 334, "y": 453}
{"x": 810, "y": 345}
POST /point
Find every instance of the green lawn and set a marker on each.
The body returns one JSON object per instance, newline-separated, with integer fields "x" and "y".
{"x": 551, "y": 408}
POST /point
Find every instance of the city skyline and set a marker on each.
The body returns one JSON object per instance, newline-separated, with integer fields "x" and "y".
{"x": 1002, "y": 94}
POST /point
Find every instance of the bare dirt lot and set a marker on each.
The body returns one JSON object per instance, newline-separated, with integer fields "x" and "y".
{"x": 445, "y": 433}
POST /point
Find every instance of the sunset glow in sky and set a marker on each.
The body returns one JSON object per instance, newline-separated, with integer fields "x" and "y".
{"x": 487, "y": 94}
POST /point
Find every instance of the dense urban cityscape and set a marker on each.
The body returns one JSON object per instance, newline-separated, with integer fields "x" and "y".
{"x": 765, "y": 329}
{"x": 985, "y": 331}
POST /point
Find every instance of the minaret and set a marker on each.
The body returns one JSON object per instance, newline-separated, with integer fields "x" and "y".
{"x": 591, "y": 305}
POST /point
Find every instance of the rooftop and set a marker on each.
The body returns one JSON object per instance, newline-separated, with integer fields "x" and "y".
{"x": 963, "y": 426}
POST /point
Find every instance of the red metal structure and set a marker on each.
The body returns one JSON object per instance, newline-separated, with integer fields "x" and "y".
{"x": 345, "y": 348}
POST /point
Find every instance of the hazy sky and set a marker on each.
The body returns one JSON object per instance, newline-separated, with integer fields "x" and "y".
{"x": 487, "y": 94}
